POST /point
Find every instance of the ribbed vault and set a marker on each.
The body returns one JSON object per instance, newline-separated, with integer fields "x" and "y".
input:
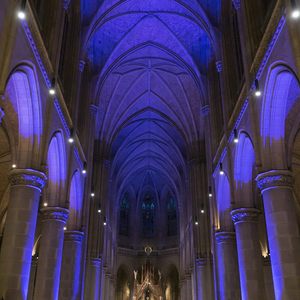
{"x": 150, "y": 60}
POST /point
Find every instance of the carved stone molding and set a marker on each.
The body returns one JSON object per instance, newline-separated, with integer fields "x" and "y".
{"x": 205, "y": 110}
{"x": 66, "y": 4}
{"x": 93, "y": 109}
{"x": 241, "y": 215}
{"x": 95, "y": 262}
{"x": 224, "y": 237}
{"x": 55, "y": 214}
{"x": 201, "y": 261}
{"x": 236, "y": 4}
{"x": 1, "y": 115}
{"x": 82, "y": 64}
{"x": 74, "y": 236}
{"x": 275, "y": 178}
{"x": 27, "y": 177}
{"x": 219, "y": 66}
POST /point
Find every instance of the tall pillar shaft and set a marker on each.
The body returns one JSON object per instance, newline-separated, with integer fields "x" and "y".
{"x": 18, "y": 237}
{"x": 70, "y": 285}
{"x": 227, "y": 266}
{"x": 249, "y": 253}
{"x": 92, "y": 282}
{"x": 204, "y": 280}
{"x": 283, "y": 232}
{"x": 50, "y": 254}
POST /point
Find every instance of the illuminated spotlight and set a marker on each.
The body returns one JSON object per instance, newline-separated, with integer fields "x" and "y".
{"x": 21, "y": 14}
{"x": 202, "y": 209}
{"x": 295, "y": 14}
{"x": 99, "y": 210}
{"x": 257, "y": 90}
{"x": 210, "y": 192}
{"x": 84, "y": 169}
{"x": 221, "y": 169}
{"x": 71, "y": 137}
{"x": 196, "y": 221}
{"x": 236, "y": 137}
{"x": 13, "y": 166}
{"x": 104, "y": 221}
{"x": 45, "y": 204}
{"x": 92, "y": 194}
{"x": 65, "y": 228}
{"x": 52, "y": 90}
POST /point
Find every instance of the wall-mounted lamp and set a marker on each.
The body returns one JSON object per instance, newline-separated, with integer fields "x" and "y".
{"x": 84, "y": 168}
{"x": 210, "y": 192}
{"x": 71, "y": 137}
{"x": 295, "y": 14}
{"x": 257, "y": 92}
{"x": 52, "y": 90}
{"x": 236, "y": 137}
{"x": 21, "y": 12}
{"x": 221, "y": 172}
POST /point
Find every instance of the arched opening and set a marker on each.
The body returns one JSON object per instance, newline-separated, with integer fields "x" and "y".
{"x": 75, "y": 201}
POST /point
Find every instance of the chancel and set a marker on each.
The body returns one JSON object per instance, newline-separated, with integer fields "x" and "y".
{"x": 149, "y": 149}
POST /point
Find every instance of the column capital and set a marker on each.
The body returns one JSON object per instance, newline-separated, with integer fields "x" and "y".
{"x": 243, "y": 215}
{"x": 274, "y": 178}
{"x": 95, "y": 262}
{"x": 201, "y": 261}
{"x": 224, "y": 236}
{"x": 219, "y": 66}
{"x": 55, "y": 213}
{"x": 27, "y": 177}
{"x": 73, "y": 236}
{"x": 1, "y": 114}
{"x": 236, "y": 4}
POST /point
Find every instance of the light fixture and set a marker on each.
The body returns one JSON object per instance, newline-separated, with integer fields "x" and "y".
{"x": 257, "y": 90}
{"x": 45, "y": 204}
{"x": 84, "y": 168}
{"x": 210, "y": 192}
{"x": 104, "y": 221}
{"x": 21, "y": 12}
{"x": 99, "y": 210}
{"x": 65, "y": 228}
{"x": 13, "y": 166}
{"x": 52, "y": 88}
{"x": 221, "y": 169}
{"x": 71, "y": 137}
{"x": 236, "y": 137}
{"x": 196, "y": 221}
{"x": 295, "y": 10}
{"x": 202, "y": 209}
{"x": 92, "y": 194}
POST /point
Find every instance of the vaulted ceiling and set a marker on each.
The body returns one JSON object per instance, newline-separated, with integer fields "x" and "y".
{"x": 150, "y": 60}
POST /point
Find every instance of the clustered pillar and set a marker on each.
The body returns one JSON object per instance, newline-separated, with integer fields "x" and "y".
{"x": 283, "y": 232}
{"x": 18, "y": 238}
{"x": 50, "y": 254}
{"x": 70, "y": 287}
{"x": 249, "y": 253}
{"x": 227, "y": 266}
{"x": 93, "y": 276}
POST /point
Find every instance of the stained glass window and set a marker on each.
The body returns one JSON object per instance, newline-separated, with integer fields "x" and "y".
{"x": 148, "y": 212}
{"x": 124, "y": 215}
{"x": 171, "y": 217}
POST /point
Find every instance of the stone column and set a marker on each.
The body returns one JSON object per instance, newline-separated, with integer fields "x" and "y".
{"x": 92, "y": 282}
{"x": 50, "y": 254}
{"x": 227, "y": 266}
{"x": 1, "y": 115}
{"x": 268, "y": 279}
{"x": 283, "y": 232}
{"x": 204, "y": 279}
{"x": 249, "y": 253}
{"x": 34, "y": 264}
{"x": 70, "y": 286}
{"x": 18, "y": 237}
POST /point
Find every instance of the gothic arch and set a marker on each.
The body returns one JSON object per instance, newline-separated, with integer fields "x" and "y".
{"x": 56, "y": 163}
{"x": 281, "y": 94}
{"x": 75, "y": 201}
{"x": 244, "y": 164}
{"x": 23, "y": 114}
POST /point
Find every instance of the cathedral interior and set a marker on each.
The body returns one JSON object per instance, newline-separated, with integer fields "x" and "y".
{"x": 150, "y": 150}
